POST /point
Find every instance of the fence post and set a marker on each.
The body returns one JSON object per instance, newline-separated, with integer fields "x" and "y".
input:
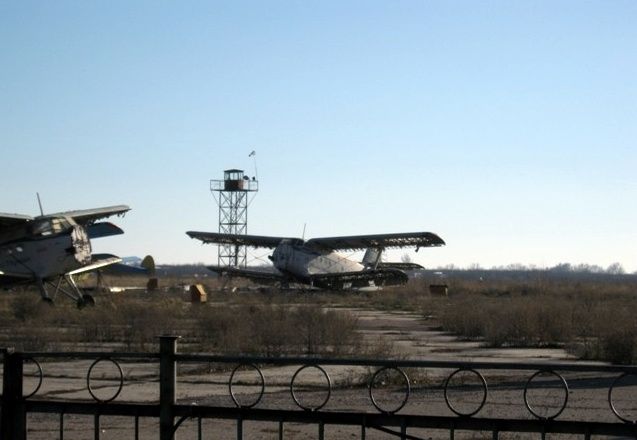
{"x": 14, "y": 420}
{"x": 167, "y": 385}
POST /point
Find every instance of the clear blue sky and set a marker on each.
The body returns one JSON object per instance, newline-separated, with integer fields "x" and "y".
{"x": 507, "y": 127}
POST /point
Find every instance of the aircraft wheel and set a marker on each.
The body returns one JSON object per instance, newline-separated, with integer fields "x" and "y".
{"x": 88, "y": 300}
{"x": 48, "y": 301}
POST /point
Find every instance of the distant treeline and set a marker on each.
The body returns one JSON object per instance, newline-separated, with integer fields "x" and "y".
{"x": 512, "y": 271}
{"x": 185, "y": 270}
{"x": 613, "y": 269}
{"x": 520, "y": 276}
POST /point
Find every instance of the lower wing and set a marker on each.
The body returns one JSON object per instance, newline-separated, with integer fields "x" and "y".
{"x": 8, "y": 279}
{"x": 11, "y": 279}
{"x": 263, "y": 276}
{"x": 98, "y": 264}
{"x": 401, "y": 266}
{"x": 353, "y": 280}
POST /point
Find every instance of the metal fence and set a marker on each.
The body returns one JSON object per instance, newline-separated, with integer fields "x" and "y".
{"x": 389, "y": 388}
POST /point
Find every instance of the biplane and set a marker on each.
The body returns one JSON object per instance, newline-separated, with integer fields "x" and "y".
{"x": 318, "y": 263}
{"x": 50, "y": 250}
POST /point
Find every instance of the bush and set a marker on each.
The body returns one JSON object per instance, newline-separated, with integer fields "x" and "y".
{"x": 592, "y": 319}
{"x": 272, "y": 330}
{"x": 619, "y": 346}
{"x": 25, "y": 307}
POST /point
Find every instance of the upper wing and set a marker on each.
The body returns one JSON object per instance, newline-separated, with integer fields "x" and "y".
{"x": 8, "y": 220}
{"x": 417, "y": 239}
{"x": 239, "y": 240}
{"x": 88, "y": 216}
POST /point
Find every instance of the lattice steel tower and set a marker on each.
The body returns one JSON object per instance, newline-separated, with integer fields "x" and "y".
{"x": 233, "y": 194}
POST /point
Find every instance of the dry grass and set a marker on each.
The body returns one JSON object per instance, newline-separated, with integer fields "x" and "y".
{"x": 594, "y": 320}
{"x": 250, "y": 324}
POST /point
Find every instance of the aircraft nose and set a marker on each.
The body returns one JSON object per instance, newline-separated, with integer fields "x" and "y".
{"x": 81, "y": 244}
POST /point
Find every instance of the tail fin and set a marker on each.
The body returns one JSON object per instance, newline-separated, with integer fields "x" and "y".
{"x": 148, "y": 263}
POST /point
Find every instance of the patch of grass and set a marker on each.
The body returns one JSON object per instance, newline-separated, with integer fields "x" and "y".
{"x": 594, "y": 320}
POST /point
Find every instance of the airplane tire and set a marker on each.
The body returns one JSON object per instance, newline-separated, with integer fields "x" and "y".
{"x": 88, "y": 300}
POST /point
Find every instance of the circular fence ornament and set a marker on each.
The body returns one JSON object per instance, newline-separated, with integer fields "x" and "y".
{"x": 39, "y": 374}
{"x": 483, "y": 385}
{"x": 88, "y": 379}
{"x": 611, "y": 403}
{"x": 560, "y": 407}
{"x": 386, "y": 371}
{"x": 231, "y": 384}
{"x": 329, "y": 388}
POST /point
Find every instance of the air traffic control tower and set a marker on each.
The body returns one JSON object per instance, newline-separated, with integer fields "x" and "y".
{"x": 233, "y": 195}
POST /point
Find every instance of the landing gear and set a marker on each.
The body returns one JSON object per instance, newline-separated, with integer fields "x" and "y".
{"x": 43, "y": 292}
{"x": 85, "y": 300}
{"x": 70, "y": 289}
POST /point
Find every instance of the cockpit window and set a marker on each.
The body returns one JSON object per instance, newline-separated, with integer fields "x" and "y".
{"x": 50, "y": 226}
{"x": 60, "y": 225}
{"x": 42, "y": 227}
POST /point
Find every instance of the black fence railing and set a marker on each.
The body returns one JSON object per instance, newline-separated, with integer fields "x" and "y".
{"x": 390, "y": 396}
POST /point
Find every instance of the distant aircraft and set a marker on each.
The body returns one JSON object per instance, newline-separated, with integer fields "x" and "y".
{"x": 132, "y": 266}
{"x": 316, "y": 262}
{"x": 49, "y": 249}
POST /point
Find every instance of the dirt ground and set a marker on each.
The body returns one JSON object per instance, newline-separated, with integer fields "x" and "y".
{"x": 410, "y": 337}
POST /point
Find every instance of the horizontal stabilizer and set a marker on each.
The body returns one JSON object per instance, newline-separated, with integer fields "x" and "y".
{"x": 104, "y": 229}
{"x": 132, "y": 266}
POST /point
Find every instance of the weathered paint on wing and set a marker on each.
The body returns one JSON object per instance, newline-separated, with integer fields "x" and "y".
{"x": 382, "y": 241}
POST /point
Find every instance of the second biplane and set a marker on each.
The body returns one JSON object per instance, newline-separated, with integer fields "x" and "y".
{"x": 317, "y": 263}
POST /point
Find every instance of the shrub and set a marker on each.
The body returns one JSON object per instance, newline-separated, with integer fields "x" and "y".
{"x": 619, "y": 346}
{"x": 275, "y": 330}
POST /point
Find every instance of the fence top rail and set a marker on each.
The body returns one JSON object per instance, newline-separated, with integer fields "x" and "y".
{"x": 410, "y": 363}
{"x": 368, "y": 362}
{"x": 147, "y": 357}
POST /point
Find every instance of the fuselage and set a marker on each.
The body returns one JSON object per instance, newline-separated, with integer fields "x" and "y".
{"x": 44, "y": 248}
{"x": 293, "y": 258}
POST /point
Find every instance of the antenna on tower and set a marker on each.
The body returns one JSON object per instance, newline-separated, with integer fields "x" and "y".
{"x": 232, "y": 194}
{"x": 253, "y": 155}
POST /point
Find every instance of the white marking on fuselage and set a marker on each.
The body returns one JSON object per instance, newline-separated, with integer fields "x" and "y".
{"x": 303, "y": 262}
